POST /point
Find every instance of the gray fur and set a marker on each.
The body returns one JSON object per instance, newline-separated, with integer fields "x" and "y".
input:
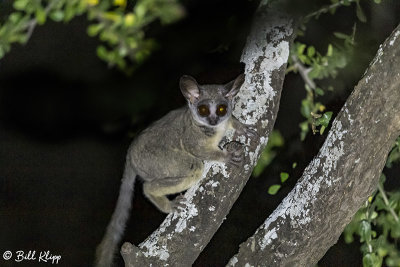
{"x": 168, "y": 156}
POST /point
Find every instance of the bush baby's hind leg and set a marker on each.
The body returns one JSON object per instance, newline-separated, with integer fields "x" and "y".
{"x": 157, "y": 191}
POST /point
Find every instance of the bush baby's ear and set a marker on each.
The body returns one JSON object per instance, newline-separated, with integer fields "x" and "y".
{"x": 233, "y": 87}
{"x": 189, "y": 88}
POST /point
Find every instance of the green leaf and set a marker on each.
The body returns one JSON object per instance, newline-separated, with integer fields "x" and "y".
{"x": 380, "y": 204}
{"x": 304, "y": 59}
{"x": 122, "y": 51}
{"x": 69, "y": 13}
{"x": 348, "y": 237}
{"x": 15, "y": 17}
{"x": 57, "y": 15}
{"x": 304, "y": 130}
{"x": 319, "y": 91}
{"x": 20, "y": 4}
{"x": 315, "y": 72}
{"x": 294, "y": 165}
{"x": 94, "y": 29}
{"x": 325, "y": 118}
{"x": 364, "y": 230}
{"x": 40, "y": 15}
{"x": 171, "y": 13}
{"x": 305, "y": 108}
{"x": 372, "y": 260}
{"x": 330, "y": 50}
{"x": 140, "y": 10}
{"x": 284, "y": 176}
{"x": 132, "y": 42}
{"x": 360, "y": 13}
{"x": 102, "y": 53}
{"x": 374, "y": 215}
{"x": 300, "y": 49}
{"x": 273, "y": 189}
{"x": 311, "y": 51}
{"x": 390, "y": 261}
{"x": 346, "y": 2}
{"x": 395, "y": 232}
{"x": 141, "y": 56}
{"x": 377, "y": 1}
{"x": 2, "y": 52}
{"x": 341, "y": 35}
{"x": 109, "y": 36}
{"x": 322, "y": 130}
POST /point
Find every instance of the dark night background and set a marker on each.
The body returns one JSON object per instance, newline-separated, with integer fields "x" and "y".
{"x": 66, "y": 121}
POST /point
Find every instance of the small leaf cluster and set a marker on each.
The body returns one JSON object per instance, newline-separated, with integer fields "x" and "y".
{"x": 313, "y": 66}
{"x": 19, "y": 25}
{"x": 273, "y": 189}
{"x": 320, "y": 66}
{"x": 121, "y": 29}
{"x": 338, "y": 3}
{"x": 377, "y": 224}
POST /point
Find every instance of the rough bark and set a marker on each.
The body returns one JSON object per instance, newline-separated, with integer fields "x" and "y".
{"x": 340, "y": 178}
{"x": 183, "y": 235}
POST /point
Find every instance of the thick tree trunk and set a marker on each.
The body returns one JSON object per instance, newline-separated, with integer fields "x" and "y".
{"x": 183, "y": 235}
{"x": 340, "y": 178}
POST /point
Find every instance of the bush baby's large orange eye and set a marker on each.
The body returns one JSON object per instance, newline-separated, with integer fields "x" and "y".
{"x": 203, "y": 110}
{"x": 221, "y": 110}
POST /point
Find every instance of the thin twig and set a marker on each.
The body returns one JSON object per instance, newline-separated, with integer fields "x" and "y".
{"x": 327, "y": 8}
{"x": 303, "y": 72}
{"x": 33, "y": 22}
{"x": 31, "y": 26}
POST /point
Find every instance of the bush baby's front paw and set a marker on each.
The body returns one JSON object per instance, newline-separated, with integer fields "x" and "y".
{"x": 235, "y": 153}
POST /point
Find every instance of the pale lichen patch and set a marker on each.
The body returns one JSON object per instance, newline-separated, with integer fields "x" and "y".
{"x": 378, "y": 56}
{"x": 233, "y": 261}
{"x": 264, "y": 123}
{"x": 394, "y": 38}
{"x": 212, "y": 183}
{"x": 333, "y": 148}
{"x": 368, "y": 78}
{"x": 187, "y": 211}
{"x": 215, "y": 167}
{"x": 254, "y": 155}
{"x": 255, "y": 98}
{"x": 151, "y": 248}
{"x": 348, "y": 116}
{"x": 268, "y": 237}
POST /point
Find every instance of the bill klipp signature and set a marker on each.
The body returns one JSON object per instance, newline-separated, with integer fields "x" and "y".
{"x": 32, "y": 255}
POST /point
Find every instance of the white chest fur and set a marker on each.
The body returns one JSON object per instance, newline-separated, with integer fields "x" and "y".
{"x": 220, "y": 132}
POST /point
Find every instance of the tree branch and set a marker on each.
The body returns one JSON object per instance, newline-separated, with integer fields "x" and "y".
{"x": 183, "y": 235}
{"x": 340, "y": 178}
